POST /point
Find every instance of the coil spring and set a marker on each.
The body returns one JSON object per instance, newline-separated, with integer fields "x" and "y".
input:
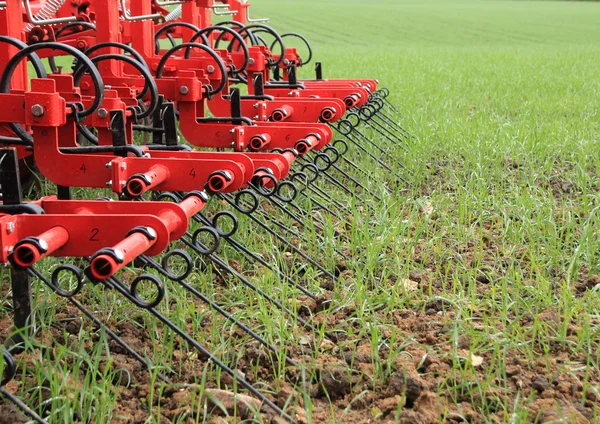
{"x": 175, "y": 14}
{"x": 48, "y": 10}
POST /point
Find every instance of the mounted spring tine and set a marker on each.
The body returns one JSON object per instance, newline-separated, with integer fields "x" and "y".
{"x": 282, "y": 239}
{"x": 217, "y": 308}
{"x": 35, "y": 273}
{"x": 119, "y": 286}
{"x": 224, "y": 266}
{"x": 21, "y": 405}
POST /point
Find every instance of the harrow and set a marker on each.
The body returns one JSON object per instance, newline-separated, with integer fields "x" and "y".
{"x": 263, "y": 149}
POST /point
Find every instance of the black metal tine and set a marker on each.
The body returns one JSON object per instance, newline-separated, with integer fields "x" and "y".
{"x": 201, "y": 218}
{"x": 295, "y": 233}
{"x": 34, "y": 272}
{"x": 319, "y": 191}
{"x": 21, "y": 405}
{"x": 390, "y": 121}
{"x": 378, "y": 147}
{"x": 149, "y": 261}
{"x": 355, "y": 181}
{"x": 387, "y": 133}
{"x": 338, "y": 184}
{"x": 318, "y": 219}
{"x": 116, "y": 284}
{"x": 299, "y": 220}
{"x": 223, "y": 265}
{"x": 281, "y": 238}
{"x": 376, "y": 159}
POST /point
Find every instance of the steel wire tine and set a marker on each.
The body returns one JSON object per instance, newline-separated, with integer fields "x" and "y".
{"x": 160, "y": 268}
{"x": 295, "y": 233}
{"x": 256, "y": 257}
{"x": 316, "y": 218}
{"x": 338, "y": 184}
{"x": 201, "y": 218}
{"x": 285, "y": 227}
{"x": 22, "y": 406}
{"x": 319, "y": 192}
{"x": 120, "y": 287}
{"x": 376, "y": 159}
{"x": 323, "y": 206}
{"x": 9, "y": 372}
{"x": 374, "y": 124}
{"x": 281, "y": 238}
{"x": 217, "y": 260}
{"x": 383, "y": 151}
{"x": 333, "y": 164}
{"x": 35, "y": 273}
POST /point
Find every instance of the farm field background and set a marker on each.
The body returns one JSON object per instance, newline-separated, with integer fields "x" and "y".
{"x": 474, "y": 293}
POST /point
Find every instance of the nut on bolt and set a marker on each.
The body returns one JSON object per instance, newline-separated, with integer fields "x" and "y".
{"x": 37, "y": 110}
{"x": 102, "y": 113}
{"x": 184, "y": 89}
{"x": 210, "y": 69}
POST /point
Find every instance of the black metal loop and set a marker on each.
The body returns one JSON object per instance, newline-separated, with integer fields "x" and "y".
{"x": 141, "y": 302}
{"x": 25, "y": 52}
{"x": 300, "y": 176}
{"x": 56, "y": 280}
{"x": 323, "y": 157}
{"x": 287, "y": 185}
{"x": 301, "y": 37}
{"x": 149, "y": 85}
{"x": 356, "y": 116}
{"x": 260, "y": 186}
{"x": 10, "y": 368}
{"x": 345, "y": 127}
{"x": 201, "y": 247}
{"x": 180, "y": 254}
{"x": 209, "y": 30}
{"x": 271, "y": 31}
{"x": 344, "y": 145}
{"x": 332, "y": 151}
{"x": 219, "y": 228}
{"x": 211, "y": 52}
{"x": 314, "y": 171}
{"x": 165, "y": 28}
{"x": 239, "y": 199}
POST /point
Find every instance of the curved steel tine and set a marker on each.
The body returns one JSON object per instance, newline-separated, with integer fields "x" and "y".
{"x": 217, "y": 260}
{"x": 120, "y": 287}
{"x": 21, "y": 405}
{"x": 387, "y": 133}
{"x": 281, "y": 238}
{"x": 319, "y": 191}
{"x": 201, "y": 218}
{"x": 318, "y": 219}
{"x": 379, "y": 148}
{"x": 35, "y": 273}
{"x": 244, "y": 250}
{"x": 287, "y": 228}
{"x": 208, "y": 302}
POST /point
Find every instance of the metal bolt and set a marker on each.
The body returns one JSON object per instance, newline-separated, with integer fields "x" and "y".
{"x": 102, "y": 113}
{"x": 123, "y": 166}
{"x": 184, "y": 89}
{"x": 37, "y": 110}
{"x": 109, "y": 165}
{"x": 255, "y": 106}
{"x": 210, "y": 69}
{"x": 10, "y": 228}
{"x": 251, "y": 61}
{"x": 232, "y": 131}
{"x": 286, "y": 62}
{"x": 109, "y": 183}
{"x": 232, "y": 145}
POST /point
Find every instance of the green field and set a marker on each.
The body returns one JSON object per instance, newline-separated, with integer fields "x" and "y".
{"x": 471, "y": 296}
